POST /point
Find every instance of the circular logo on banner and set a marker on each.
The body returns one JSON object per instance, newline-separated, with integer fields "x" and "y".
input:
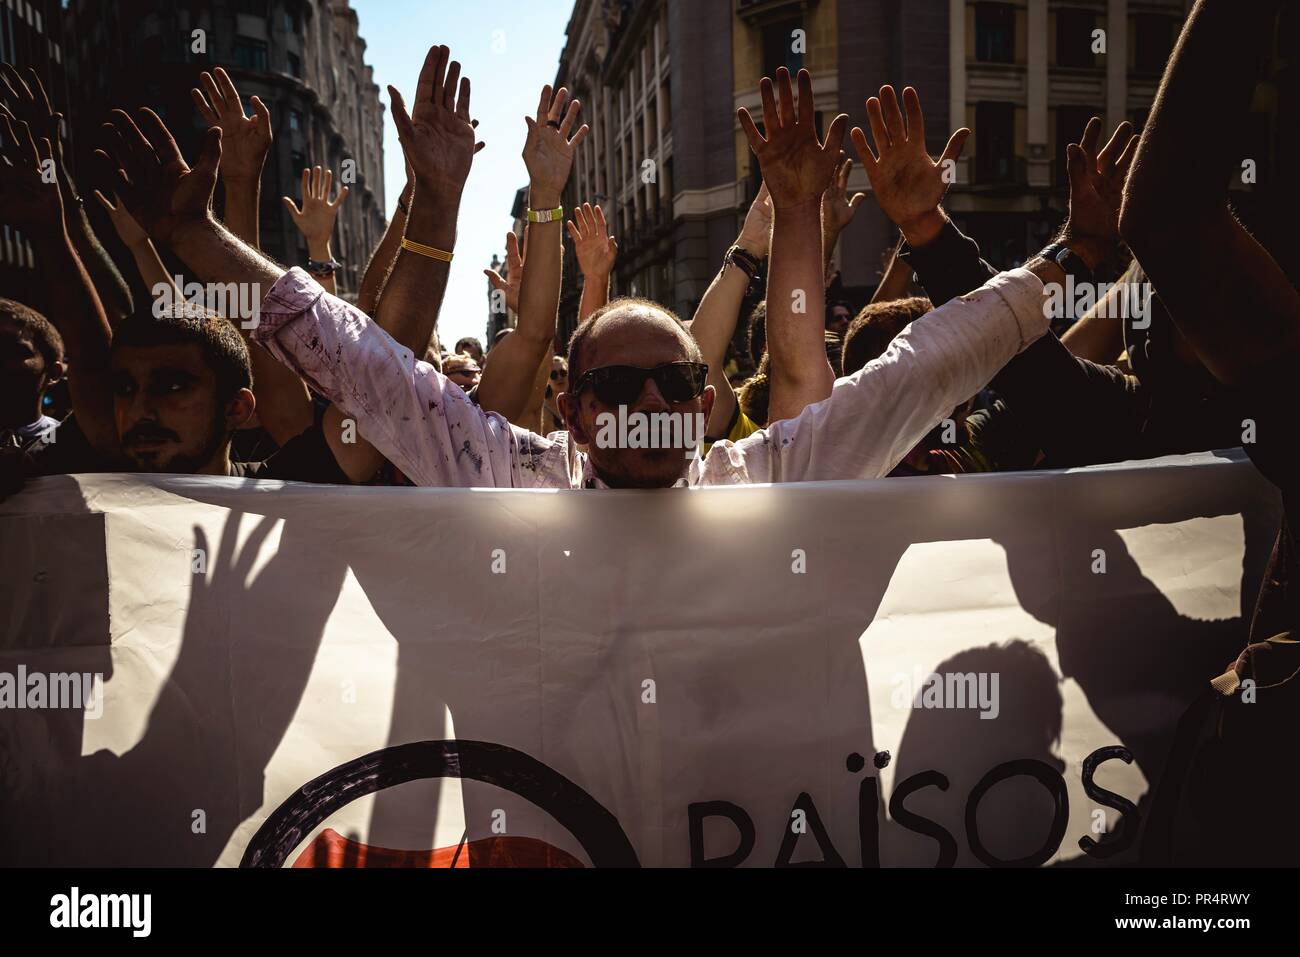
{"x": 595, "y": 828}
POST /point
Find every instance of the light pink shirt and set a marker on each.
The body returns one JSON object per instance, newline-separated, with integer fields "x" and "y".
{"x": 426, "y": 426}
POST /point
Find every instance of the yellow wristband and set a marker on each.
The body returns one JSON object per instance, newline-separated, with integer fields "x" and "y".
{"x": 546, "y": 215}
{"x": 423, "y": 250}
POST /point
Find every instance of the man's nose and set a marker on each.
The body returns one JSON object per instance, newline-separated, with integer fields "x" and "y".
{"x": 651, "y": 399}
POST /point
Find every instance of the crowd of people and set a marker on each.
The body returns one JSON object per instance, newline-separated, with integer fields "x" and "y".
{"x": 980, "y": 373}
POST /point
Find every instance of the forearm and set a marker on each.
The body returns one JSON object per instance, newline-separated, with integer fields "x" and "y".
{"x": 242, "y": 197}
{"x": 595, "y": 294}
{"x": 150, "y": 266}
{"x": 893, "y": 284}
{"x": 113, "y": 290}
{"x": 79, "y": 316}
{"x": 381, "y": 262}
{"x": 411, "y": 298}
{"x": 796, "y": 340}
{"x": 1098, "y": 336}
{"x": 948, "y": 264}
{"x": 509, "y": 383}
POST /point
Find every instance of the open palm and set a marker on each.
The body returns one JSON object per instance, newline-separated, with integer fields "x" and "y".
{"x": 437, "y": 136}
{"x": 796, "y": 166}
{"x": 245, "y": 140}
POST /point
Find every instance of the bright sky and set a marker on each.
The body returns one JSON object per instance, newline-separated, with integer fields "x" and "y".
{"x": 508, "y": 49}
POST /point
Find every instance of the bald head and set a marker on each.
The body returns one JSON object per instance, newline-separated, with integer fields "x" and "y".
{"x": 620, "y": 332}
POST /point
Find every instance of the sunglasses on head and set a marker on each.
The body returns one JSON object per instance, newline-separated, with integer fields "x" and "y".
{"x": 621, "y": 385}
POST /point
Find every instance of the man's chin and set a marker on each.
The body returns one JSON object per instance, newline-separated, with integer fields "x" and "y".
{"x": 657, "y": 468}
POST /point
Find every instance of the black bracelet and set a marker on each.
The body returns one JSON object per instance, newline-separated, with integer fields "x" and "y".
{"x": 742, "y": 258}
{"x": 316, "y": 268}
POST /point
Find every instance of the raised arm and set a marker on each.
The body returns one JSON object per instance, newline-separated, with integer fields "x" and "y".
{"x": 838, "y": 209}
{"x": 315, "y": 219}
{"x": 797, "y": 169}
{"x": 596, "y": 251}
{"x": 381, "y": 261}
{"x": 438, "y": 139}
{"x": 1205, "y": 265}
{"x": 147, "y": 261}
{"x": 514, "y": 366}
{"x": 284, "y": 407}
{"x": 715, "y": 319}
{"x": 27, "y": 101}
{"x": 34, "y": 206}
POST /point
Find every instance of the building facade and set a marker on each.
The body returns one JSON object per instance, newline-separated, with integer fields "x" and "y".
{"x": 303, "y": 58}
{"x": 31, "y": 36}
{"x": 661, "y": 81}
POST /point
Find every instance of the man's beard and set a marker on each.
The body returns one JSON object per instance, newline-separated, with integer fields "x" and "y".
{"x": 189, "y": 463}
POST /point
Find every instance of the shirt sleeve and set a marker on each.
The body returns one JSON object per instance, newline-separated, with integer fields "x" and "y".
{"x": 418, "y": 419}
{"x": 949, "y": 266}
{"x": 875, "y": 416}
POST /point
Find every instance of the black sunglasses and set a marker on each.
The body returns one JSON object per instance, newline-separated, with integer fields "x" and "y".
{"x": 621, "y": 385}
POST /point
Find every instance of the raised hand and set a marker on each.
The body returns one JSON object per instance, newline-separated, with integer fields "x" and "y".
{"x": 437, "y": 136}
{"x": 27, "y": 201}
{"x": 26, "y": 101}
{"x": 315, "y": 219}
{"x": 756, "y": 233}
{"x": 245, "y": 140}
{"x": 1097, "y": 185}
{"x": 160, "y": 190}
{"x": 796, "y": 166}
{"x": 514, "y": 271}
{"x": 548, "y": 151}
{"x": 909, "y": 186}
{"x": 595, "y": 248}
{"x": 128, "y": 230}
{"x": 838, "y": 207}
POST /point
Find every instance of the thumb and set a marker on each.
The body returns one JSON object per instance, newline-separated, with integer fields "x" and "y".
{"x": 210, "y": 155}
{"x": 1076, "y": 164}
{"x": 857, "y": 200}
{"x": 103, "y": 201}
{"x": 291, "y": 206}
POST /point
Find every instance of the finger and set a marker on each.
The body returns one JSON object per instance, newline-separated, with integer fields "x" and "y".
{"x": 16, "y": 84}
{"x": 600, "y": 219}
{"x": 215, "y": 96}
{"x": 512, "y": 251}
{"x": 462, "y": 102}
{"x": 771, "y": 116}
{"x": 450, "y": 87}
{"x": 439, "y": 73}
{"x": 1076, "y": 162}
{"x": 751, "y": 131}
{"x": 160, "y": 138}
{"x": 329, "y": 184}
{"x": 315, "y": 182}
{"x": 138, "y": 148}
{"x": 7, "y": 87}
{"x": 915, "y": 118}
{"x": 786, "y": 94}
{"x": 343, "y": 194}
{"x": 205, "y": 111}
{"x": 1126, "y": 158}
{"x": 103, "y": 201}
{"x": 262, "y": 114}
{"x": 842, "y": 173}
{"x": 233, "y": 101}
{"x": 4, "y": 111}
{"x": 38, "y": 91}
{"x": 835, "y": 134}
{"x": 424, "y": 85}
{"x": 117, "y": 144}
{"x": 579, "y": 136}
{"x": 209, "y": 153}
{"x": 806, "y": 114}
{"x": 956, "y": 143}
{"x": 401, "y": 119}
{"x": 893, "y": 116}
{"x": 496, "y": 280}
{"x": 1091, "y": 134}
{"x": 25, "y": 144}
{"x": 876, "y": 120}
{"x": 113, "y": 171}
{"x": 574, "y": 234}
{"x": 1109, "y": 154}
{"x": 543, "y": 104}
{"x": 292, "y": 207}
{"x": 556, "y": 111}
{"x": 304, "y": 189}
{"x": 857, "y": 199}
{"x": 868, "y": 158}
{"x": 478, "y": 146}
{"x": 570, "y": 117}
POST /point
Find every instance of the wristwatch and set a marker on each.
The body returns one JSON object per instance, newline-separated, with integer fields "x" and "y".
{"x": 1068, "y": 260}
{"x": 317, "y": 268}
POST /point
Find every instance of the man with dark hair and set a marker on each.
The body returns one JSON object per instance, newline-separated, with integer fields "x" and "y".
{"x": 31, "y": 361}
{"x": 838, "y": 316}
{"x": 875, "y": 327}
{"x": 470, "y": 346}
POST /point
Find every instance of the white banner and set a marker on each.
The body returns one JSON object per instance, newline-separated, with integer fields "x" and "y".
{"x": 296, "y": 674}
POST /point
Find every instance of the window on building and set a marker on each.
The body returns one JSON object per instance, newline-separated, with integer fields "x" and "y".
{"x": 995, "y": 142}
{"x": 250, "y": 54}
{"x": 256, "y": 8}
{"x": 1074, "y": 37}
{"x": 295, "y": 121}
{"x": 295, "y": 65}
{"x": 995, "y": 33}
{"x": 778, "y": 47}
{"x": 1070, "y": 124}
{"x": 292, "y": 19}
{"x": 1153, "y": 41}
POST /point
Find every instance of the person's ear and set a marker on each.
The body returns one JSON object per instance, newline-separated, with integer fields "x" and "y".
{"x": 569, "y": 407}
{"x": 707, "y": 398}
{"x": 55, "y": 372}
{"x": 240, "y": 409}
